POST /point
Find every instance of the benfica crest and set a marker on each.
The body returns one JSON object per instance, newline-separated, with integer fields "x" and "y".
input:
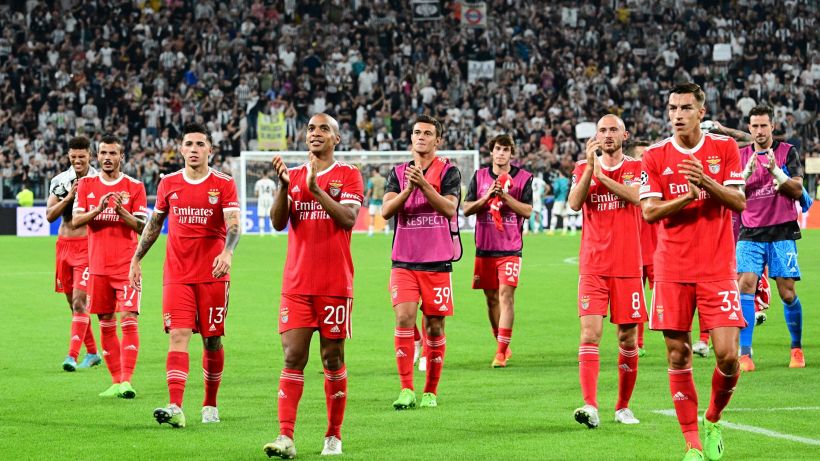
{"x": 335, "y": 188}
{"x": 628, "y": 178}
{"x": 585, "y": 302}
{"x": 213, "y": 196}
{"x": 714, "y": 164}
{"x": 125, "y": 198}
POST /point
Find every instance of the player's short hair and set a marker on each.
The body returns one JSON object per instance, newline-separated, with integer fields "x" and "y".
{"x": 109, "y": 138}
{"x": 762, "y": 109}
{"x": 334, "y": 124}
{"x": 690, "y": 88}
{"x": 630, "y": 148}
{"x": 197, "y": 128}
{"x": 79, "y": 143}
{"x": 503, "y": 140}
{"x": 423, "y": 118}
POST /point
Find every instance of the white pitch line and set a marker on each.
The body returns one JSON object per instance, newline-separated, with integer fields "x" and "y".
{"x": 755, "y": 429}
{"x": 732, "y": 410}
{"x": 571, "y": 260}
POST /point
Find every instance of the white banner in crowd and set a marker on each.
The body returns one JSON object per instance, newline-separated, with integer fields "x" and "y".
{"x": 474, "y": 14}
{"x": 31, "y": 221}
{"x": 722, "y": 52}
{"x": 480, "y": 69}
{"x": 426, "y": 10}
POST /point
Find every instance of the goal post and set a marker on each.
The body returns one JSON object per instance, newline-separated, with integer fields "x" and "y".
{"x": 253, "y": 164}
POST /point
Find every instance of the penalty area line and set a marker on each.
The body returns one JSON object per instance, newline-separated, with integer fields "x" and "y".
{"x": 758, "y": 430}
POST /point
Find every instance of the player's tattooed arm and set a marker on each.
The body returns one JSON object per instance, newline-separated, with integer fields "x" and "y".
{"x": 233, "y": 229}
{"x": 222, "y": 261}
{"x": 743, "y": 138}
{"x": 149, "y": 236}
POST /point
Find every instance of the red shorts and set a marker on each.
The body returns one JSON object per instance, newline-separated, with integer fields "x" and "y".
{"x": 623, "y": 296}
{"x": 649, "y": 274}
{"x": 72, "y": 264}
{"x": 490, "y": 272}
{"x": 434, "y": 289}
{"x": 673, "y": 305}
{"x": 328, "y": 314}
{"x": 202, "y": 307}
{"x": 112, "y": 293}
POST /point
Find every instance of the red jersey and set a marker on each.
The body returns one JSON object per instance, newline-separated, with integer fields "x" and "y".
{"x": 111, "y": 243}
{"x": 649, "y": 241}
{"x": 319, "y": 261}
{"x": 695, "y": 244}
{"x": 196, "y": 224}
{"x": 609, "y": 237}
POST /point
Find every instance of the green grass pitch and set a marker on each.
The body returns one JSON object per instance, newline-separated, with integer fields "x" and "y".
{"x": 521, "y": 412}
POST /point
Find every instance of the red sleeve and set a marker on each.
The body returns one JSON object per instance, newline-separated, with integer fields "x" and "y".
{"x": 230, "y": 202}
{"x": 733, "y": 176}
{"x": 162, "y": 202}
{"x": 576, "y": 173}
{"x": 140, "y": 206}
{"x": 353, "y": 188}
{"x": 650, "y": 181}
{"x": 81, "y": 197}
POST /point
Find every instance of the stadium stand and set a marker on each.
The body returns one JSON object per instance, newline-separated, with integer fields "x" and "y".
{"x": 143, "y": 69}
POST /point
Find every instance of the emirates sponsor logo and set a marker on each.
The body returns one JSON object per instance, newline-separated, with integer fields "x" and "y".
{"x": 192, "y": 211}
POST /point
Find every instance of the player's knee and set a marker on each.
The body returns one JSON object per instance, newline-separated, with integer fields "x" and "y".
{"x": 405, "y": 319}
{"x": 747, "y": 283}
{"x": 727, "y": 361}
{"x": 786, "y": 292}
{"x": 78, "y": 305}
{"x": 178, "y": 339}
{"x": 435, "y": 326}
{"x": 213, "y": 343}
{"x": 680, "y": 357}
{"x": 332, "y": 358}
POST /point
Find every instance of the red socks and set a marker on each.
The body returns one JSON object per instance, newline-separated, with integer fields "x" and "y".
{"x": 640, "y": 335}
{"x": 704, "y": 336}
{"x": 291, "y": 385}
{"x": 627, "y": 375}
{"x": 111, "y": 348}
{"x": 176, "y": 373}
{"x": 79, "y": 325}
{"x": 588, "y": 367}
{"x": 504, "y": 337}
{"x": 336, "y": 398}
{"x": 416, "y": 333}
{"x": 130, "y": 347}
{"x": 90, "y": 344}
{"x": 213, "y": 362}
{"x": 685, "y": 398}
{"x": 722, "y": 388}
{"x": 434, "y": 347}
{"x": 405, "y": 346}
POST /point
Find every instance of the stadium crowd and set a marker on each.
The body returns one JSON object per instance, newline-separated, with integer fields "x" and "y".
{"x": 143, "y": 69}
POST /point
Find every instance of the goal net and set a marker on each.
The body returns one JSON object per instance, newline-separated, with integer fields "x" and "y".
{"x": 254, "y": 164}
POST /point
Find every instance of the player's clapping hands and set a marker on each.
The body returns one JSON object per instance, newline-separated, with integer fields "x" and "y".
{"x": 313, "y": 165}
{"x": 281, "y": 170}
{"x": 416, "y": 177}
{"x": 692, "y": 169}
